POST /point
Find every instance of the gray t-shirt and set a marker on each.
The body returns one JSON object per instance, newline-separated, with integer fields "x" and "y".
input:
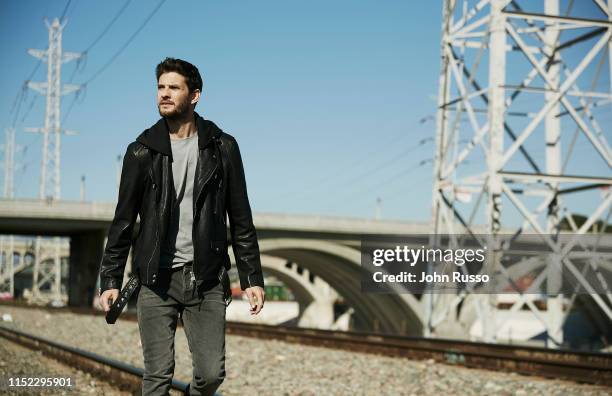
{"x": 178, "y": 247}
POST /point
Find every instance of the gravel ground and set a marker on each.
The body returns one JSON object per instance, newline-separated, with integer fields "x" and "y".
{"x": 18, "y": 361}
{"x": 278, "y": 368}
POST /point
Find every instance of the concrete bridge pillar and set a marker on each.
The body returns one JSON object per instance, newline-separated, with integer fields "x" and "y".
{"x": 22, "y": 253}
{"x": 85, "y": 255}
{"x": 319, "y": 313}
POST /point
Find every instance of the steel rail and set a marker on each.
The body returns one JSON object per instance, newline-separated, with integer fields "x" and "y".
{"x": 579, "y": 366}
{"x": 124, "y": 376}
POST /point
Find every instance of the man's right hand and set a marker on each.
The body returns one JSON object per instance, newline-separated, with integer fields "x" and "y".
{"x": 108, "y": 297}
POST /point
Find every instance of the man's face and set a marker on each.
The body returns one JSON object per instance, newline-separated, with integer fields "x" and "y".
{"x": 173, "y": 97}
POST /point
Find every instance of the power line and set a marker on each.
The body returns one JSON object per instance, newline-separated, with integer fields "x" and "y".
{"x": 74, "y": 99}
{"x": 361, "y": 202}
{"x": 29, "y": 108}
{"x": 65, "y": 10}
{"x": 124, "y": 46}
{"x": 390, "y": 142}
{"x": 391, "y": 161}
{"x": 20, "y": 95}
{"x": 110, "y": 24}
{"x": 360, "y": 191}
{"x": 16, "y": 108}
{"x": 312, "y": 189}
{"x": 97, "y": 39}
{"x": 24, "y": 165}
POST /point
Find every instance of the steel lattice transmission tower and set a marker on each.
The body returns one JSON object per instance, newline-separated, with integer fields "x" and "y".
{"x": 7, "y": 281}
{"x": 51, "y": 155}
{"x": 520, "y": 149}
{"x": 7, "y": 243}
{"x": 9, "y": 162}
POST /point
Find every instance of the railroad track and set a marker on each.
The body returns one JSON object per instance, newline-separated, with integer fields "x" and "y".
{"x": 586, "y": 367}
{"x": 124, "y": 376}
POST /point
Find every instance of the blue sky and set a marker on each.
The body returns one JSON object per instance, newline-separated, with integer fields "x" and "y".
{"x": 321, "y": 96}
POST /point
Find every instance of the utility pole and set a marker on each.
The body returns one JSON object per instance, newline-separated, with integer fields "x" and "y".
{"x": 378, "y": 211}
{"x": 82, "y": 188}
{"x": 47, "y": 276}
{"x": 494, "y": 54}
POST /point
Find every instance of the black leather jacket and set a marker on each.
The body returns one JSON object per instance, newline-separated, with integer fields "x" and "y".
{"x": 146, "y": 189}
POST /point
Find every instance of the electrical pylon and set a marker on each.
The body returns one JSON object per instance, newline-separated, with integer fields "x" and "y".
{"x": 9, "y": 162}
{"x": 7, "y": 243}
{"x": 521, "y": 134}
{"x": 47, "y": 276}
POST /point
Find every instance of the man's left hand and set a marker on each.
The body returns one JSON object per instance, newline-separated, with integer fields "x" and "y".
{"x": 256, "y": 297}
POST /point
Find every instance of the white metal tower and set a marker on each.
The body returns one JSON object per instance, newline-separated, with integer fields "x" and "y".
{"x": 7, "y": 280}
{"x": 49, "y": 275}
{"x": 9, "y": 162}
{"x": 520, "y": 149}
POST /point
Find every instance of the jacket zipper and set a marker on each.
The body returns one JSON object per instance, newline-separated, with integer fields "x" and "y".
{"x": 196, "y": 218}
{"x": 156, "y": 223}
{"x": 195, "y": 213}
{"x": 154, "y": 248}
{"x": 195, "y": 203}
{"x": 208, "y": 177}
{"x": 217, "y": 208}
{"x": 193, "y": 241}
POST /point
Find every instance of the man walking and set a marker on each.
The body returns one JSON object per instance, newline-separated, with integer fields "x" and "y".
{"x": 184, "y": 177}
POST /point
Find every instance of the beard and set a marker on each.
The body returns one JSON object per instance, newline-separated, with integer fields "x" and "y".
{"x": 179, "y": 111}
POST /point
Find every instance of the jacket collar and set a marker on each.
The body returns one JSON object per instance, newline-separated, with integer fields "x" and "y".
{"x": 157, "y": 137}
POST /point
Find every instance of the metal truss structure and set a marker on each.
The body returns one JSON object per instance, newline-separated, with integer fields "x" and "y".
{"x": 7, "y": 284}
{"x": 47, "y": 276}
{"x": 9, "y": 162}
{"x": 518, "y": 129}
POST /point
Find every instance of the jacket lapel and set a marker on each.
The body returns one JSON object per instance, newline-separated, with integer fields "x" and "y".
{"x": 208, "y": 162}
{"x": 157, "y": 137}
{"x": 208, "y": 158}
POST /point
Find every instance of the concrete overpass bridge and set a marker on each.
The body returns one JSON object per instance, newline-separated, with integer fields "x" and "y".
{"x": 23, "y": 254}
{"x": 317, "y": 257}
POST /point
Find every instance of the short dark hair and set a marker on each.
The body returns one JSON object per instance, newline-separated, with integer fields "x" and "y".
{"x": 184, "y": 68}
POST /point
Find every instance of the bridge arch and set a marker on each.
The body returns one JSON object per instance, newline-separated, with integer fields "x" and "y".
{"x": 315, "y": 297}
{"x": 340, "y": 267}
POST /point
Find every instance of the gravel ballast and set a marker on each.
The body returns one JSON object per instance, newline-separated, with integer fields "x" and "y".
{"x": 273, "y": 367}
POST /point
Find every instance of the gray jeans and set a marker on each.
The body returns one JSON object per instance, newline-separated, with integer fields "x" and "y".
{"x": 202, "y": 312}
